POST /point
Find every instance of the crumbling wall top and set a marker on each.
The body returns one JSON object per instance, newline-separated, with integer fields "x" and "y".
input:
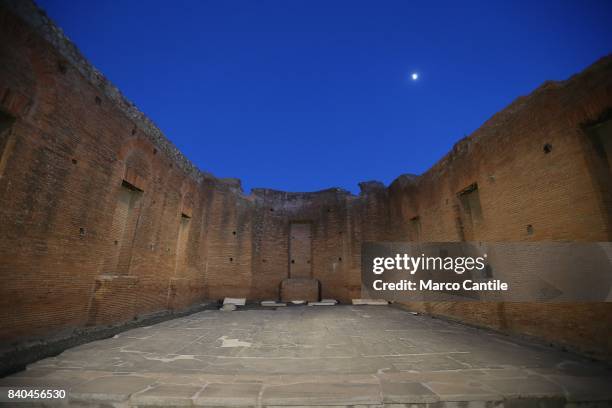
{"x": 30, "y": 13}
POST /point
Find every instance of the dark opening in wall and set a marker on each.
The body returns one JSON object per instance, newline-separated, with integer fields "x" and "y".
{"x": 600, "y": 135}
{"x": 471, "y": 211}
{"x": 529, "y": 229}
{"x": 547, "y": 148}
{"x": 123, "y": 229}
{"x": 599, "y": 154}
{"x": 7, "y": 140}
{"x": 181, "y": 242}
{"x": 414, "y": 228}
{"x": 61, "y": 67}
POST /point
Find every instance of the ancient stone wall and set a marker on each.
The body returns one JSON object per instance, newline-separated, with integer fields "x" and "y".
{"x": 530, "y": 173}
{"x": 102, "y": 219}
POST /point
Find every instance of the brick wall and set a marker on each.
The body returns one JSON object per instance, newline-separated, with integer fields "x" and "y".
{"x": 533, "y": 167}
{"x": 103, "y": 219}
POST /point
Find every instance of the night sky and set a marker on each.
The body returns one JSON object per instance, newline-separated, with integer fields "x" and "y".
{"x": 307, "y": 95}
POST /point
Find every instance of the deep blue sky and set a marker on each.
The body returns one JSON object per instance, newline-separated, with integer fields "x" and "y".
{"x": 306, "y": 95}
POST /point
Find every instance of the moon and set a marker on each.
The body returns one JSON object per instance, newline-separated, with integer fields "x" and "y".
{"x": 414, "y": 76}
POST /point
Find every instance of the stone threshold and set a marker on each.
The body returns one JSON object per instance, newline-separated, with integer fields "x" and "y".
{"x": 500, "y": 388}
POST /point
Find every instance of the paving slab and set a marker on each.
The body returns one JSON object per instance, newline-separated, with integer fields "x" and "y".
{"x": 395, "y": 392}
{"x": 461, "y": 391}
{"x": 235, "y": 395}
{"x": 166, "y": 395}
{"x": 318, "y": 356}
{"x": 322, "y": 394}
{"x": 110, "y": 389}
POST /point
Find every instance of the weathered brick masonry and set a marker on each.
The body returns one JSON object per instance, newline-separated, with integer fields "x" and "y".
{"x": 102, "y": 219}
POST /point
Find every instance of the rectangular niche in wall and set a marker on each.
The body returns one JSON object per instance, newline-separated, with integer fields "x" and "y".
{"x": 181, "y": 243}
{"x": 471, "y": 211}
{"x": 414, "y": 228}
{"x": 300, "y": 250}
{"x": 599, "y": 146}
{"x": 601, "y": 137}
{"x": 7, "y": 140}
{"x": 123, "y": 230}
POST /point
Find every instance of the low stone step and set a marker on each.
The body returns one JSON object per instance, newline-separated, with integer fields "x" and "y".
{"x": 234, "y": 301}
{"x": 323, "y": 303}
{"x": 272, "y": 303}
{"x": 371, "y": 302}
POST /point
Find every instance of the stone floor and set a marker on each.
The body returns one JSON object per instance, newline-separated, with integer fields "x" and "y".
{"x": 316, "y": 356}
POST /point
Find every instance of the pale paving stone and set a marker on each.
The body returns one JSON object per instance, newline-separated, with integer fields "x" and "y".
{"x": 426, "y": 363}
{"x": 406, "y": 392}
{"x": 166, "y": 395}
{"x": 322, "y": 394}
{"x": 183, "y": 379}
{"x": 112, "y": 388}
{"x": 238, "y": 394}
{"x": 451, "y": 377}
{"x": 459, "y": 391}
